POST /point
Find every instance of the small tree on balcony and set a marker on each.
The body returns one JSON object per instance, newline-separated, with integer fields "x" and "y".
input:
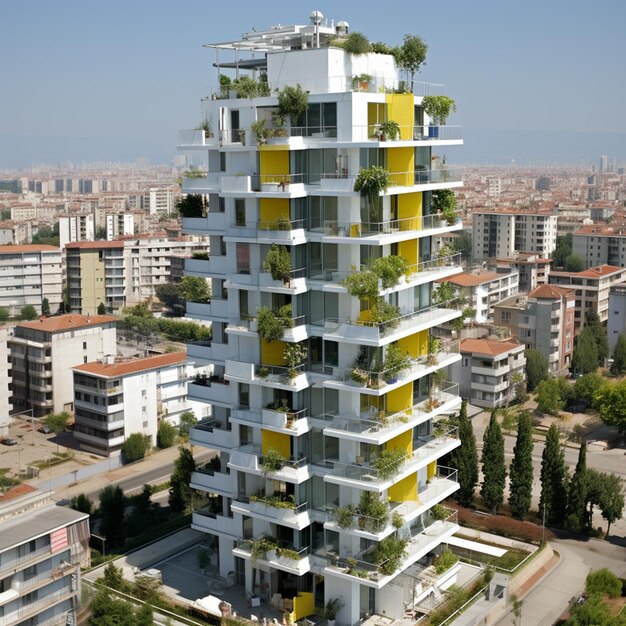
{"x": 292, "y": 102}
{"x": 371, "y": 181}
{"x": 191, "y": 205}
{"x": 443, "y": 202}
{"x": 271, "y": 325}
{"x": 278, "y": 263}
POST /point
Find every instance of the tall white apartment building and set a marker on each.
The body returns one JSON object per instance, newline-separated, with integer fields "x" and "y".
{"x": 6, "y": 407}
{"x": 28, "y": 274}
{"x": 162, "y": 200}
{"x": 79, "y": 227}
{"x": 315, "y": 426}
{"x": 114, "y": 398}
{"x": 599, "y": 244}
{"x": 504, "y": 233}
{"x": 119, "y": 225}
{"x": 42, "y": 550}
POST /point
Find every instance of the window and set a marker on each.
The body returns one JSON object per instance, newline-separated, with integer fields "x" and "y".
{"x": 240, "y": 212}
{"x": 84, "y": 345}
{"x": 244, "y": 395}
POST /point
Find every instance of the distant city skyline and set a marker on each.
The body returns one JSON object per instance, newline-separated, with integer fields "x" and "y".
{"x": 534, "y": 82}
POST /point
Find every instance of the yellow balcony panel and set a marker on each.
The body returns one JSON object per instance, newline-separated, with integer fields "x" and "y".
{"x": 404, "y": 490}
{"x": 272, "y": 352}
{"x": 278, "y": 441}
{"x": 400, "y": 399}
{"x": 401, "y": 164}
{"x": 401, "y": 109}
{"x": 404, "y": 442}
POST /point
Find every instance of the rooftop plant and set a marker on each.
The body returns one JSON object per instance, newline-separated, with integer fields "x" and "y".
{"x": 357, "y": 43}
{"x": 390, "y": 129}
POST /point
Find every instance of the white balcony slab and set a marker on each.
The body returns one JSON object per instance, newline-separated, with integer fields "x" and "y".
{"x": 213, "y": 524}
{"x": 211, "y": 437}
{"x": 217, "y": 482}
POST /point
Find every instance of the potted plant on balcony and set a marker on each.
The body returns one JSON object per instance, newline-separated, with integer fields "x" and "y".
{"x": 389, "y": 130}
{"x": 361, "y": 82}
{"x": 292, "y": 102}
{"x": 371, "y": 181}
{"x": 434, "y": 345}
{"x": 443, "y": 202}
{"x": 294, "y": 355}
{"x": 389, "y": 463}
{"x": 331, "y": 609}
{"x": 260, "y": 131}
{"x": 396, "y": 361}
{"x": 273, "y": 461}
{"x": 438, "y": 108}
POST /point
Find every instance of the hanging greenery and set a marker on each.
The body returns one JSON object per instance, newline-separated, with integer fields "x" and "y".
{"x": 371, "y": 181}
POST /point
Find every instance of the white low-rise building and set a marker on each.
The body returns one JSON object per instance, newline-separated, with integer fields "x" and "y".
{"x": 114, "y": 398}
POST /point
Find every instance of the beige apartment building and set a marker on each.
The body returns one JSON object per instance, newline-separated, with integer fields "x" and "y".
{"x": 43, "y": 353}
{"x": 592, "y": 290}
{"x": 542, "y": 319}
{"x": 532, "y": 270}
{"x": 28, "y": 274}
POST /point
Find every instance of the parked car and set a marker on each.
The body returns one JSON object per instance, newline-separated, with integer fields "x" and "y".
{"x": 9, "y": 441}
{"x": 45, "y": 430}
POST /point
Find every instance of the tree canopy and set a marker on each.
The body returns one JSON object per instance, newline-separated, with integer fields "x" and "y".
{"x": 585, "y": 358}
{"x": 180, "y": 491}
{"x": 618, "y": 367}
{"x": 536, "y": 368}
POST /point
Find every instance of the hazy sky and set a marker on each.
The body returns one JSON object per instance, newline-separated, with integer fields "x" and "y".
{"x": 117, "y": 79}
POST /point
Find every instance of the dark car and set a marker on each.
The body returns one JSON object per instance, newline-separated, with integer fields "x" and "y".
{"x": 9, "y": 441}
{"x": 45, "y": 430}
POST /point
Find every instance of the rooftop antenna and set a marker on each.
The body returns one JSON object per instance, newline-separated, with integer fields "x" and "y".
{"x": 316, "y": 18}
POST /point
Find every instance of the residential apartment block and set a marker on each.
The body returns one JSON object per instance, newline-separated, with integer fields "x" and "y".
{"x": 504, "y": 233}
{"x": 116, "y": 397}
{"x": 592, "y": 288}
{"x": 482, "y": 290}
{"x": 542, "y": 319}
{"x": 42, "y": 550}
{"x": 616, "y": 318}
{"x": 119, "y": 225}
{"x": 489, "y": 371}
{"x": 6, "y": 407}
{"x": 532, "y": 269}
{"x": 79, "y": 227}
{"x": 43, "y": 353}
{"x": 120, "y": 273}
{"x": 310, "y": 418}
{"x": 28, "y": 274}
{"x": 599, "y": 245}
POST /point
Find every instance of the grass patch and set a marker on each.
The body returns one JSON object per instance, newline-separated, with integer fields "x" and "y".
{"x": 56, "y": 459}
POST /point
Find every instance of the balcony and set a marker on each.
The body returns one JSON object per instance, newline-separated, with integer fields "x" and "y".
{"x": 249, "y": 458}
{"x": 294, "y": 422}
{"x": 296, "y": 283}
{"x": 195, "y": 226}
{"x": 273, "y": 510}
{"x": 206, "y": 479}
{"x": 280, "y": 556}
{"x": 195, "y": 138}
{"x": 210, "y": 390}
{"x": 376, "y": 575}
{"x": 287, "y": 378}
{"x": 377, "y": 427}
{"x": 208, "y": 184}
{"x": 213, "y": 266}
{"x": 374, "y": 333}
{"x": 211, "y": 434}
{"x": 208, "y": 522}
{"x": 207, "y": 311}
{"x": 284, "y": 231}
{"x": 372, "y": 478}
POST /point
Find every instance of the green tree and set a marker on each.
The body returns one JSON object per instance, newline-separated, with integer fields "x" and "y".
{"x": 166, "y": 435}
{"x": 195, "y": 289}
{"x": 536, "y": 368}
{"x": 494, "y": 468}
{"x": 101, "y": 233}
{"x": 553, "y": 479}
{"x": 45, "y": 307}
{"x": 562, "y": 251}
{"x": 192, "y": 205}
{"x": 412, "y": 55}
{"x": 576, "y": 504}
{"x": 593, "y": 612}
{"x": 4, "y": 315}
{"x": 180, "y": 491}
{"x": 47, "y": 236}
{"x": 549, "y": 398}
{"x": 81, "y": 503}
{"x": 186, "y": 422}
{"x": 603, "y": 581}
{"x": 102, "y": 309}
{"x": 144, "y": 616}
{"x": 107, "y": 610}
{"x": 585, "y": 358}
{"x": 612, "y": 502}
{"x": 592, "y": 321}
{"x": 28, "y": 312}
{"x": 134, "y": 447}
{"x": 113, "y": 577}
{"x": 574, "y": 263}
{"x": 169, "y": 294}
{"x": 618, "y": 367}
{"x": 521, "y": 470}
{"x": 610, "y": 402}
{"x": 57, "y": 422}
{"x": 595, "y": 492}
{"x": 465, "y": 459}
{"x": 112, "y": 505}
{"x": 463, "y": 244}
{"x": 587, "y": 387}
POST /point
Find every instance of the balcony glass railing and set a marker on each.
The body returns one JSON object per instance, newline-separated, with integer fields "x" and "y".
{"x": 407, "y": 179}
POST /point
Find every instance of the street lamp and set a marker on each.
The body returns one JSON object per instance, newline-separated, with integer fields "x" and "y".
{"x": 30, "y": 412}
{"x": 103, "y": 539}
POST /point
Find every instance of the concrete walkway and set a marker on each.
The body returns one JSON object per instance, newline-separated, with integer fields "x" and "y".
{"x": 550, "y": 596}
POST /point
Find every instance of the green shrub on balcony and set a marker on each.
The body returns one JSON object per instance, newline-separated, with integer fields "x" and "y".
{"x": 390, "y": 130}
{"x": 273, "y": 461}
{"x": 271, "y": 325}
{"x": 292, "y": 101}
{"x": 278, "y": 263}
{"x": 389, "y": 554}
{"x": 276, "y": 501}
{"x": 294, "y": 355}
{"x": 344, "y": 516}
{"x": 438, "y": 108}
{"x": 261, "y": 546}
{"x": 384, "y": 315}
{"x": 390, "y": 269}
{"x": 445, "y": 561}
{"x": 396, "y": 361}
{"x": 361, "y": 285}
{"x": 371, "y": 181}
{"x": 192, "y": 205}
{"x": 389, "y": 463}
{"x": 372, "y": 512}
{"x": 443, "y": 202}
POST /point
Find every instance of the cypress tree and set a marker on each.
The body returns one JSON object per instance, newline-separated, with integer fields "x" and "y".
{"x": 618, "y": 367}
{"x": 553, "y": 479}
{"x": 465, "y": 459}
{"x": 180, "y": 491}
{"x": 592, "y": 321}
{"x": 494, "y": 469}
{"x": 521, "y": 471}
{"x": 585, "y": 357}
{"x": 576, "y": 505}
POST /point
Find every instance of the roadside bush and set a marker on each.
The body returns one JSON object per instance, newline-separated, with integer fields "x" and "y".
{"x": 135, "y": 447}
{"x": 502, "y": 525}
{"x": 602, "y": 582}
{"x": 166, "y": 435}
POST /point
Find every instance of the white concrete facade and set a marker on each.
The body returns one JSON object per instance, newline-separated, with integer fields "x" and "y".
{"x": 5, "y": 384}
{"x": 79, "y": 227}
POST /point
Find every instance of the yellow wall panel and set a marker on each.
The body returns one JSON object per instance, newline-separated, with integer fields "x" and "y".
{"x": 403, "y": 441}
{"x": 410, "y": 210}
{"x": 431, "y": 470}
{"x": 274, "y": 162}
{"x": 303, "y": 605}
{"x": 401, "y": 398}
{"x": 375, "y": 115}
{"x": 410, "y": 345}
{"x": 270, "y": 209}
{"x": 272, "y": 353}
{"x": 278, "y": 441}
{"x": 410, "y": 251}
{"x": 401, "y": 165}
{"x": 403, "y": 490}
{"x": 401, "y": 109}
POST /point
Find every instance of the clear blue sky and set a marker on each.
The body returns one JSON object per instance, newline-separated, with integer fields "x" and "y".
{"x": 116, "y": 79}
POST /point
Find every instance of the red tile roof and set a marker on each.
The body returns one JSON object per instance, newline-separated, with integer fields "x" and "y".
{"x": 19, "y": 249}
{"x": 131, "y": 366}
{"x": 87, "y": 245}
{"x": 488, "y": 347}
{"x": 61, "y": 323}
{"x": 470, "y": 280}
{"x": 550, "y": 291}
{"x": 16, "y": 492}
